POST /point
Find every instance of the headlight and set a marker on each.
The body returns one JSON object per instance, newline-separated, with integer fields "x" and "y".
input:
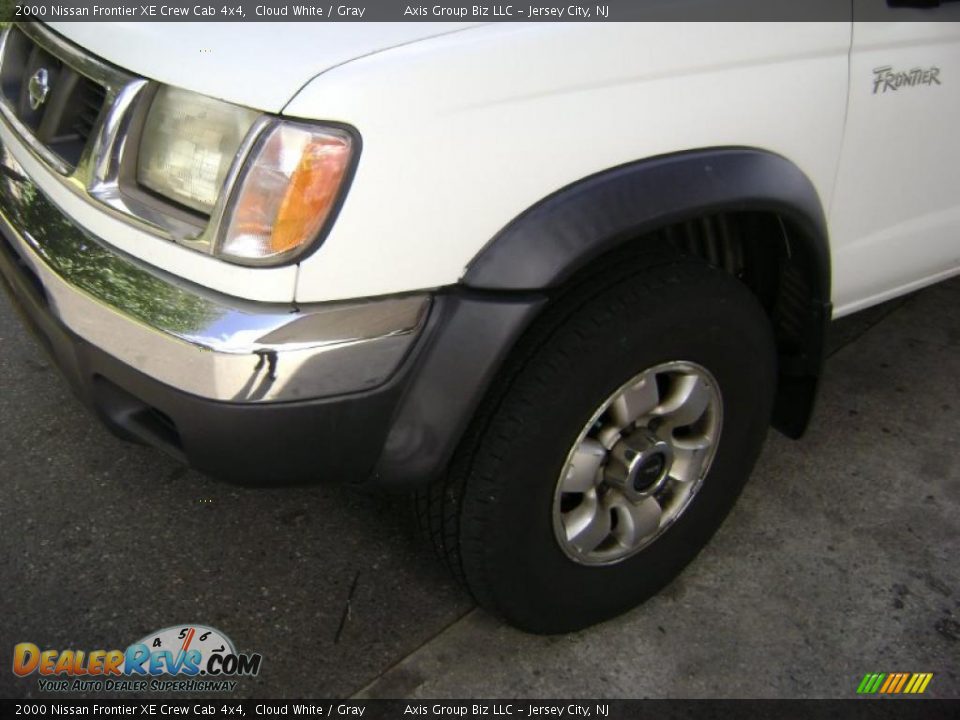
{"x": 269, "y": 210}
{"x": 188, "y": 143}
{"x": 289, "y": 187}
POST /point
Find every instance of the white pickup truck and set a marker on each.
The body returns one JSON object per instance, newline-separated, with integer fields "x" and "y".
{"x": 558, "y": 279}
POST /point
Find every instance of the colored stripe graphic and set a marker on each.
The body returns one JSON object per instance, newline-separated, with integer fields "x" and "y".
{"x": 900, "y": 684}
{"x": 870, "y": 683}
{"x": 921, "y": 682}
{"x": 892, "y": 679}
{"x": 894, "y": 683}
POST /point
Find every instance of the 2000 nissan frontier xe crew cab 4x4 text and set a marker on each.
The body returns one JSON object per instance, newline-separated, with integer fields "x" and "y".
{"x": 556, "y": 279}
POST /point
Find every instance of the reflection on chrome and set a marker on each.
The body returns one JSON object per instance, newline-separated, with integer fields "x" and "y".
{"x": 189, "y": 337}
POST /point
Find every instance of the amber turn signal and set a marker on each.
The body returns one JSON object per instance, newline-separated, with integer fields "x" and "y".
{"x": 291, "y": 185}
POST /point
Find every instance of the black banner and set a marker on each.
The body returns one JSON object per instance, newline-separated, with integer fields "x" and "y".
{"x": 899, "y": 709}
{"x": 476, "y": 10}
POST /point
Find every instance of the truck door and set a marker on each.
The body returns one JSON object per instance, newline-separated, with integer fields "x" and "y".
{"x": 895, "y": 215}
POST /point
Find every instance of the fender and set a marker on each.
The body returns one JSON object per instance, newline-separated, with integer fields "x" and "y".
{"x": 475, "y": 325}
{"x": 551, "y": 241}
{"x": 559, "y": 235}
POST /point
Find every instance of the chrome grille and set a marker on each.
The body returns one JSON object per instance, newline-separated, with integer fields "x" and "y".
{"x": 91, "y": 97}
{"x": 55, "y": 102}
{"x": 86, "y": 130}
{"x": 80, "y": 128}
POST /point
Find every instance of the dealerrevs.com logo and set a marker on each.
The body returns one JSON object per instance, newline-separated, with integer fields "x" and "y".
{"x": 187, "y": 658}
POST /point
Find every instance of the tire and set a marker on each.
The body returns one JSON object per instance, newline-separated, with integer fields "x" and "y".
{"x": 499, "y": 519}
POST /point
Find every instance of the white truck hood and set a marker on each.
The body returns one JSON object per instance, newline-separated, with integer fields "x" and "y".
{"x": 261, "y": 65}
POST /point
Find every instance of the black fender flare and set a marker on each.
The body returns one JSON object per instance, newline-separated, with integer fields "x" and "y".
{"x": 549, "y": 242}
{"x": 474, "y": 325}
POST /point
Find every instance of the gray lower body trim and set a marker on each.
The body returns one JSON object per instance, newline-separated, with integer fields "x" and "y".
{"x": 463, "y": 349}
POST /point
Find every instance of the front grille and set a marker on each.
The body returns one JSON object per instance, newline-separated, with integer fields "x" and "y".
{"x": 79, "y": 128}
{"x": 91, "y": 98}
{"x": 55, "y": 102}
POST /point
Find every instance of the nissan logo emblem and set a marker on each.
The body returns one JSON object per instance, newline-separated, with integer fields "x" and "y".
{"x": 38, "y": 88}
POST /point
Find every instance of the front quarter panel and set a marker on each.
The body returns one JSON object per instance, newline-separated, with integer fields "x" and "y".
{"x": 463, "y": 133}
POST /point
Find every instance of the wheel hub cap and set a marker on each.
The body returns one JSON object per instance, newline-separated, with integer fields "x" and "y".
{"x": 638, "y": 463}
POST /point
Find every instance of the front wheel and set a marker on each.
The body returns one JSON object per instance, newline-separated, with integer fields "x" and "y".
{"x": 617, "y": 440}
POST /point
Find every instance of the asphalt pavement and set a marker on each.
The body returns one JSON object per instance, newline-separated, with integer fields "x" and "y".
{"x": 839, "y": 559}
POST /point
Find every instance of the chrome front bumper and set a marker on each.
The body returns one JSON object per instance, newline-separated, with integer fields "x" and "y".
{"x": 187, "y": 337}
